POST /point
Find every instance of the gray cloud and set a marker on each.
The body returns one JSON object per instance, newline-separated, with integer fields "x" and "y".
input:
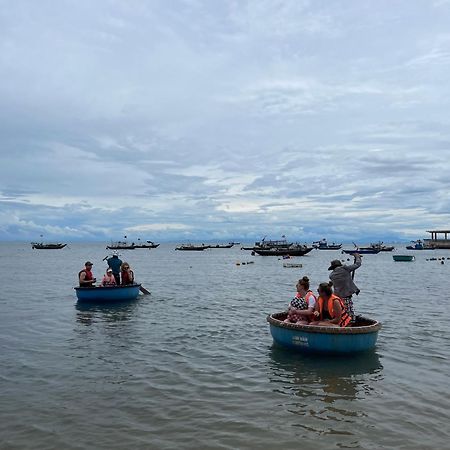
{"x": 199, "y": 119}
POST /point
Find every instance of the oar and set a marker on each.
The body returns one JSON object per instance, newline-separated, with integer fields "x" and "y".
{"x": 144, "y": 291}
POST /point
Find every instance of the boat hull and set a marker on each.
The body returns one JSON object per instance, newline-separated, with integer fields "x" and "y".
{"x": 329, "y": 247}
{"x": 37, "y": 246}
{"x": 108, "y": 293}
{"x": 403, "y": 257}
{"x": 362, "y": 251}
{"x": 283, "y": 252}
{"x": 309, "y": 338}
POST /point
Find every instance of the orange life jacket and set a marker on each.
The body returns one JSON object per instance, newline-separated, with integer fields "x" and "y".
{"x": 345, "y": 318}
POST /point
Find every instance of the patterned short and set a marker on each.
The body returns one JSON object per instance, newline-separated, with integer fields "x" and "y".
{"x": 348, "y": 302}
{"x": 299, "y": 303}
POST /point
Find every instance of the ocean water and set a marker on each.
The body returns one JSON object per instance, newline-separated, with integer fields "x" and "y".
{"x": 193, "y": 366}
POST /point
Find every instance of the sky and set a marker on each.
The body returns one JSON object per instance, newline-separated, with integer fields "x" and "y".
{"x": 217, "y": 120}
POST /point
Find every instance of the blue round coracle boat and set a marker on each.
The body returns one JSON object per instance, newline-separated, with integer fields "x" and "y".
{"x": 108, "y": 293}
{"x": 360, "y": 337}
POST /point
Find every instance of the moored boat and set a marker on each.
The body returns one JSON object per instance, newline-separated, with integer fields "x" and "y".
{"x": 380, "y": 246}
{"x": 403, "y": 257}
{"x": 419, "y": 245}
{"x": 362, "y": 251}
{"x": 362, "y": 336}
{"x": 191, "y": 247}
{"x": 108, "y": 293}
{"x": 323, "y": 245}
{"x": 48, "y": 246}
{"x": 294, "y": 250}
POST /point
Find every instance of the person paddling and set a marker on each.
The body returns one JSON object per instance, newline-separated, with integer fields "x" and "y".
{"x": 114, "y": 263}
{"x": 85, "y": 277}
{"x": 342, "y": 279}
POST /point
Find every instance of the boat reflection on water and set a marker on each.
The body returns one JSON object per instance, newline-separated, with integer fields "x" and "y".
{"x": 89, "y": 313}
{"x": 328, "y": 378}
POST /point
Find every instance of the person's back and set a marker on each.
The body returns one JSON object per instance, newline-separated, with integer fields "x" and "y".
{"x": 341, "y": 276}
{"x": 344, "y": 287}
{"x": 114, "y": 264}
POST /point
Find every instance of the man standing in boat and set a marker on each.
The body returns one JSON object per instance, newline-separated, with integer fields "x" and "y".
{"x": 114, "y": 263}
{"x": 342, "y": 279}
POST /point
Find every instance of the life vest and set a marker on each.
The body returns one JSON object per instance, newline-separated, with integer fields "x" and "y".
{"x": 126, "y": 278}
{"x": 88, "y": 276}
{"x": 345, "y": 318}
{"x": 109, "y": 280}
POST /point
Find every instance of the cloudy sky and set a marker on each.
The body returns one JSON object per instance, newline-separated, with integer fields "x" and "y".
{"x": 208, "y": 119}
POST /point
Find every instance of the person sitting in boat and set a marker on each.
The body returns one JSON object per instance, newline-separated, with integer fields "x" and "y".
{"x": 330, "y": 310}
{"x": 115, "y": 263}
{"x": 301, "y": 307}
{"x": 85, "y": 277}
{"x": 127, "y": 275}
{"x": 109, "y": 278}
{"x": 342, "y": 279}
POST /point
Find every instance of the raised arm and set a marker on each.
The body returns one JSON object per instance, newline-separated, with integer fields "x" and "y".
{"x": 356, "y": 264}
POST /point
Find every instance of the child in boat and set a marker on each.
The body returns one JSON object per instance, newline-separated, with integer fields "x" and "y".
{"x": 301, "y": 307}
{"x": 109, "y": 279}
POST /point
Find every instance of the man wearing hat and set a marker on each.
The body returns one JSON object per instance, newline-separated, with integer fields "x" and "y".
{"x": 114, "y": 263}
{"x": 85, "y": 276}
{"x": 342, "y": 279}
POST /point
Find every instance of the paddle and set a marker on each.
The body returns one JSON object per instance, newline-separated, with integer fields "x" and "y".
{"x": 144, "y": 291}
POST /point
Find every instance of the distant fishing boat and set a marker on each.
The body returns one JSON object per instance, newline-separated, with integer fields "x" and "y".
{"x": 361, "y": 336}
{"x": 281, "y": 243}
{"x": 48, "y": 246}
{"x": 191, "y": 247}
{"x": 125, "y": 245}
{"x": 362, "y": 251}
{"x": 323, "y": 245}
{"x": 380, "y": 246}
{"x": 221, "y": 245}
{"x": 121, "y": 245}
{"x": 403, "y": 257}
{"x": 293, "y": 250}
{"x": 108, "y": 293}
{"x": 419, "y": 245}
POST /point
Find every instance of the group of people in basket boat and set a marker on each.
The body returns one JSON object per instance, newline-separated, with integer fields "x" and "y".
{"x": 333, "y": 309}
{"x": 118, "y": 274}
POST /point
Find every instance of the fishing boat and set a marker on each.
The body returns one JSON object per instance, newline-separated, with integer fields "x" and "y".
{"x": 282, "y": 243}
{"x": 47, "y": 246}
{"x": 108, "y": 293}
{"x": 419, "y": 245}
{"x": 191, "y": 247}
{"x": 293, "y": 250}
{"x": 362, "y": 251}
{"x": 292, "y": 265}
{"x": 361, "y": 336}
{"x": 403, "y": 257}
{"x": 121, "y": 245}
{"x": 323, "y": 245}
{"x": 380, "y": 246}
{"x": 221, "y": 245}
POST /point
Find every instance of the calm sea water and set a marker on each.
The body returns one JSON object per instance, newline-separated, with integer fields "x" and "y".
{"x": 193, "y": 365}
